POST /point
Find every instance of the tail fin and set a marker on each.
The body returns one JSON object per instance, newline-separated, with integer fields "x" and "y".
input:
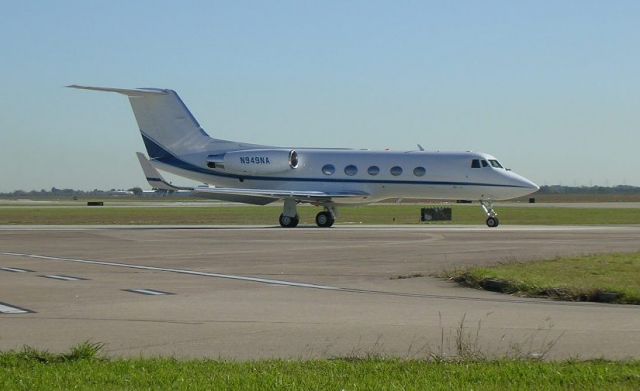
{"x": 166, "y": 124}
{"x": 156, "y": 181}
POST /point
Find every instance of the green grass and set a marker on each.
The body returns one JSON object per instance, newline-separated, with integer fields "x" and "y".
{"x": 268, "y": 215}
{"x": 27, "y": 370}
{"x": 607, "y": 277}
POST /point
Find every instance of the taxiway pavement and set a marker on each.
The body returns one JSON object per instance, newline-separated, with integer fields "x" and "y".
{"x": 253, "y": 292}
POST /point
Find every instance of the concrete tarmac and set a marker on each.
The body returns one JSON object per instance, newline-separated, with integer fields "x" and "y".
{"x": 259, "y": 292}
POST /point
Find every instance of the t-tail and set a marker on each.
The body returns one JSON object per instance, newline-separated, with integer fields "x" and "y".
{"x": 167, "y": 126}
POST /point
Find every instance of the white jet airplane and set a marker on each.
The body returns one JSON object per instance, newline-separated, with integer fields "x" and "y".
{"x": 261, "y": 174}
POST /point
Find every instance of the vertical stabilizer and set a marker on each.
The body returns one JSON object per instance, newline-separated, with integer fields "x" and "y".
{"x": 166, "y": 125}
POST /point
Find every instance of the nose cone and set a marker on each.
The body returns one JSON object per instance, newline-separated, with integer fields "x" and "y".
{"x": 523, "y": 183}
{"x": 529, "y": 184}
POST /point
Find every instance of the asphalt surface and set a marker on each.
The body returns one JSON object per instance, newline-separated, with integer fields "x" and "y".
{"x": 259, "y": 292}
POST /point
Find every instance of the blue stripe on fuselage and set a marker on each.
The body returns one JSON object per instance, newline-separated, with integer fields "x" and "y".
{"x": 168, "y": 158}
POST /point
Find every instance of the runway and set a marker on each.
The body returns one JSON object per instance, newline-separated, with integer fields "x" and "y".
{"x": 248, "y": 292}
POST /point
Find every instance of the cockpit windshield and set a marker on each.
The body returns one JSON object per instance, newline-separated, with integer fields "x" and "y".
{"x": 495, "y": 164}
{"x": 477, "y": 163}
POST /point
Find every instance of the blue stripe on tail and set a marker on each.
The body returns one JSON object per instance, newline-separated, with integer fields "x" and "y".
{"x": 154, "y": 150}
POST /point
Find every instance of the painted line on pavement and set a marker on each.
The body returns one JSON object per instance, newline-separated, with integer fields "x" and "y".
{"x": 11, "y": 309}
{"x": 15, "y": 270}
{"x": 63, "y": 278}
{"x": 311, "y": 286}
{"x": 171, "y": 270}
{"x": 149, "y": 292}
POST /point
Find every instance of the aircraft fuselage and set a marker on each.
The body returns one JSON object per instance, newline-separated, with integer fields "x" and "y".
{"x": 432, "y": 175}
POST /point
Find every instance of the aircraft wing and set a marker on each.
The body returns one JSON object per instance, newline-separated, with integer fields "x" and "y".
{"x": 263, "y": 196}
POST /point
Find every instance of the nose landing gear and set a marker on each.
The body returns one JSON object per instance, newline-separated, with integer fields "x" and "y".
{"x": 492, "y": 216}
{"x": 492, "y": 222}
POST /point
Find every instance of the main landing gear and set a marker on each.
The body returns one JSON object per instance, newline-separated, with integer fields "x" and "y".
{"x": 290, "y": 219}
{"x": 492, "y": 216}
{"x": 325, "y": 219}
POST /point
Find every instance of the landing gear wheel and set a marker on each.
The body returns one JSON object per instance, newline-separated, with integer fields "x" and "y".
{"x": 324, "y": 219}
{"x": 288, "y": 221}
{"x": 492, "y": 222}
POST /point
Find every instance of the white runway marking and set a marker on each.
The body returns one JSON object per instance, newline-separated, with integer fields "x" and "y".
{"x": 63, "y": 278}
{"x": 15, "y": 270}
{"x": 7, "y": 309}
{"x": 300, "y": 284}
{"x": 170, "y": 270}
{"x": 149, "y": 292}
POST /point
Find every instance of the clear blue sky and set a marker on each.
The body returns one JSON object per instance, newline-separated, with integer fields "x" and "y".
{"x": 552, "y": 88}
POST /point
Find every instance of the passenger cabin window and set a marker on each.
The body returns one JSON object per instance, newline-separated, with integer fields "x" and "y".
{"x": 351, "y": 170}
{"x": 328, "y": 169}
{"x": 484, "y": 163}
{"x": 396, "y": 170}
{"x": 419, "y": 171}
{"x": 495, "y": 164}
{"x": 475, "y": 163}
{"x": 373, "y": 170}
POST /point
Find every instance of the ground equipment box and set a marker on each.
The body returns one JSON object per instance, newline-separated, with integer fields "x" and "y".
{"x": 435, "y": 214}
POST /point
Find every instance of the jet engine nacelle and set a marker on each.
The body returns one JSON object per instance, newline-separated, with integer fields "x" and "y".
{"x": 256, "y": 161}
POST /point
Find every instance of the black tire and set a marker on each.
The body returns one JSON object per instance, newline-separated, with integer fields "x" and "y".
{"x": 288, "y": 222}
{"x": 492, "y": 222}
{"x": 324, "y": 219}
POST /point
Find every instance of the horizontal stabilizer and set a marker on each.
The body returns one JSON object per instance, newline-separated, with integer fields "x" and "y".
{"x": 124, "y": 91}
{"x": 156, "y": 181}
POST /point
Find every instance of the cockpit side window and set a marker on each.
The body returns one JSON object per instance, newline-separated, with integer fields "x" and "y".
{"x": 495, "y": 164}
{"x": 475, "y": 163}
{"x": 484, "y": 163}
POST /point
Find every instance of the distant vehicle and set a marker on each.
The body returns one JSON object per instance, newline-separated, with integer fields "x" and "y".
{"x": 261, "y": 174}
